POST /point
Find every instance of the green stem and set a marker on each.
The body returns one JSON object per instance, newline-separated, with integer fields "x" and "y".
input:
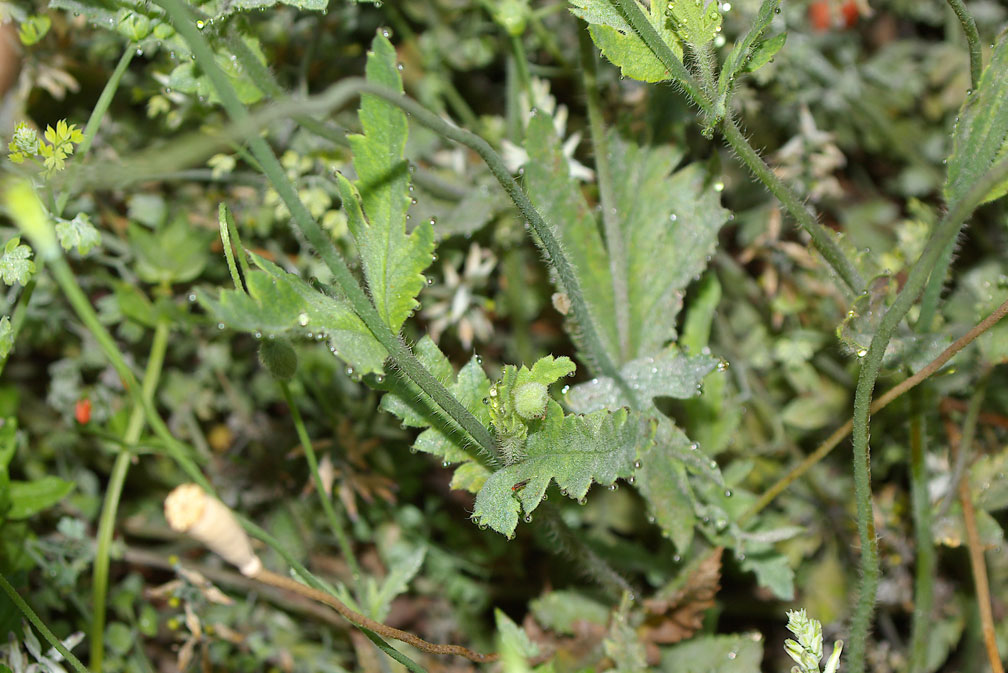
{"x": 521, "y": 63}
{"x": 932, "y": 293}
{"x": 610, "y": 224}
{"x": 972, "y": 39}
{"x": 113, "y": 492}
{"x": 945, "y": 232}
{"x": 399, "y": 352}
{"x": 94, "y": 121}
{"x": 821, "y": 238}
{"x": 334, "y": 523}
{"x": 925, "y": 571}
{"x": 40, "y": 626}
{"x": 392, "y": 652}
{"x": 678, "y": 72}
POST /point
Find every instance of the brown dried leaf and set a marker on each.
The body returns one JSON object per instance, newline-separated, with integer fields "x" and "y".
{"x": 676, "y": 612}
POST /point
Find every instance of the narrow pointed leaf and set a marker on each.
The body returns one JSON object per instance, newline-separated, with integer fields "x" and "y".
{"x": 281, "y": 304}
{"x": 376, "y": 212}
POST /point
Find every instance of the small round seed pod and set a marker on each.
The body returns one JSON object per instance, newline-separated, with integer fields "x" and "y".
{"x": 530, "y": 400}
{"x": 190, "y": 509}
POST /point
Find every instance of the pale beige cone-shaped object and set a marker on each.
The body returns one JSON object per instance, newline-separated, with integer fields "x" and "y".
{"x": 189, "y": 509}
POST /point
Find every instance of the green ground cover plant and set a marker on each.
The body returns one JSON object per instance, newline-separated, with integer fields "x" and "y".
{"x": 557, "y": 336}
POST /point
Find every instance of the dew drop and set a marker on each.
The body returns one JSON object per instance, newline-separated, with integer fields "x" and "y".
{"x": 732, "y": 655}
{"x": 430, "y": 281}
{"x": 200, "y": 25}
{"x": 479, "y": 359}
{"x": 727, "y": 493}
{"x": 399, "y": 67}
{"x": 220, "y": 325}
{"x": 528, "y": 518}
{"x": 565, "y": 390}
{"x": 718, "y": 186}
{"x": 258, "y": 335}
{"x": 631, "y": 480}
{"x": 673, "y": 217}
{"x": 613, "y": 487}
{"x": 191, "y": 297}
{"x": 434, "y": 257}
{"x": 583, "y": 501}
{"x": 379, "y": 379}
{"x": 445, "y": 463}
{"x": 303, "y": 319}
{"x": 349, "y": 371}
{"x": 433, "y": 221}
{"x": 637, "y": 464}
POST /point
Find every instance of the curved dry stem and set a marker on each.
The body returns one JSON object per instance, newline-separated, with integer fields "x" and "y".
{"x": 356, "y": 618}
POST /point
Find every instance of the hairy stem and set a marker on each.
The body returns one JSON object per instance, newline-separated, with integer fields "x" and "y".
{"x": 40, "y": 626}
{"x": 821, "y": 238}
{"x": 972, "y": 39}
{"x": 678, "y": 72}
{"x": 610, "y": 223}
{"x": 925, "y": 563}
{"x": 401, "y": 355}
{"x": 945, "y": 232}
{"x": 334, "y": 522}
{"x": 880, "y": 403}
{"x": 113, "y": 492}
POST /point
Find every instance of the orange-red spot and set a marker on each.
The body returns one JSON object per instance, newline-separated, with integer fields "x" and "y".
{"x": 820, "y": 15}
{"x": 82, "y": 411}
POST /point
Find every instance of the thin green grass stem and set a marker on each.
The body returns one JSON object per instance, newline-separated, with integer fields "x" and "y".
{"x": 924, "y": 573}
{"x": 93, "y": 122}
{"x": 113, "y": 493}
{"x": 331, "y": 517}
{"x": 40, "y": 626}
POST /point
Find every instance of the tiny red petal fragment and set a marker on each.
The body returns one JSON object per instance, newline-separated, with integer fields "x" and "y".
{"x": 820, "y": 15}
{"x": 851, "y": 13}
{"x": 82, "y": 411}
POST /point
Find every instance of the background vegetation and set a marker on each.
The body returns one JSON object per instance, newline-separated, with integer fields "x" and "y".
{"x": 614, "y": 433}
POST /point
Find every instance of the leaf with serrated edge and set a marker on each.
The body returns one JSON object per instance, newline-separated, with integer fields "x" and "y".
{"x": 668, "y": 223}
{"x": 572, "y": 450}
{"x": 981, "y": 135}
{"x": 393, "y": 261}
{"x": 280, "y": 303}
{"x": 619, "y": 43}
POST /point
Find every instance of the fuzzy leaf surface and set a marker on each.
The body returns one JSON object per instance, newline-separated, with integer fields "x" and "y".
{"x": 572, "y": 450}
{"x": 376, "y": 210}
{"x": 16, "y": 265}
{"x": 981, "y": 136}
{"x": 715, "y": 654}
{"x": 280, "y": 303}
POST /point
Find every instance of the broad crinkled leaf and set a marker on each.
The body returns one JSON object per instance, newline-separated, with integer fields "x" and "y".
{"x": 618, "y": 42}
{"x": 981, "y": 134}
{"x": 668, "y": 224}
{"x": 280, "y": 303}
{"x": 572, "y": 450}
{"x": 669, "y": 374}
{"x": 376, "y": 211}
